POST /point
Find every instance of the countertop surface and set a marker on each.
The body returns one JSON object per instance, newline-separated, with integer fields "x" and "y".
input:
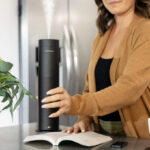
{"x": 11, "y": 139}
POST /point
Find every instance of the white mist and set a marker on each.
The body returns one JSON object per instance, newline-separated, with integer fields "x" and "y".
{"x": 48, "y": 6}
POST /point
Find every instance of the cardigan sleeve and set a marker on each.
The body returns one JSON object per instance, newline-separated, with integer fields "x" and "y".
{"x": 127, "y": 89}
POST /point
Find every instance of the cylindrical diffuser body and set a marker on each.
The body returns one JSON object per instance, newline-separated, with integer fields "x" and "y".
{"x": 49, "y": 53}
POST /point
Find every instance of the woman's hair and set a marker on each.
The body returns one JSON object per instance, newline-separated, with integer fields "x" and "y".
{"x": 105, "y": 18}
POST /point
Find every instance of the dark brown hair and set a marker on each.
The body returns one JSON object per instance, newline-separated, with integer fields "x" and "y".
{"x": 105, "y": 18}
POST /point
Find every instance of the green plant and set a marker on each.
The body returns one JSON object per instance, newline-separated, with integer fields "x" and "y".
{"x": 11, "y": 88}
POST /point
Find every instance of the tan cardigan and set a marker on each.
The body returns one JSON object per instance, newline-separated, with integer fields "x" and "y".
{"x": 130, "y": 79}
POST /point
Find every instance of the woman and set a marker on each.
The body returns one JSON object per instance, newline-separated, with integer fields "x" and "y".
{"x": 122, "y": 47}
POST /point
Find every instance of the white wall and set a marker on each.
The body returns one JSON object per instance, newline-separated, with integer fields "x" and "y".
{"x": 9, "y": 47}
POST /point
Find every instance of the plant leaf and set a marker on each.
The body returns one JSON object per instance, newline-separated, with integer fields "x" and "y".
{"x": 15, "y": 91}
{"x": 19, "y": 100}
{"x": 2, "y": 92}
{"x": 10, "y": 86}
{"x": 10, "y": 103}
{"x": 26, "y": 92}
{"x": 5, "y": 66}
{"x": 11, "y": 111}
{"x": 5, "y": 99}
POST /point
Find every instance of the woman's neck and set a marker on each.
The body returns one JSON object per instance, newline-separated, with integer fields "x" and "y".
{"x": 123, "y": 21}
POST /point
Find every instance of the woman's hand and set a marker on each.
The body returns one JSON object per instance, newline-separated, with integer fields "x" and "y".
{"x": 80, "y": 126}
{"x": 59, "y": 99}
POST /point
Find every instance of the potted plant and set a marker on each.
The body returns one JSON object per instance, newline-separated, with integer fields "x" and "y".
{"x": 10, "y": 88}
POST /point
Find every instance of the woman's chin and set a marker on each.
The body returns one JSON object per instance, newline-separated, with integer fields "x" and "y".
{"x": 117, "y": 12}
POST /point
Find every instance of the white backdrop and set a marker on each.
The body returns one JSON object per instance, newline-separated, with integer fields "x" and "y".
{"x": 9, "y": 48}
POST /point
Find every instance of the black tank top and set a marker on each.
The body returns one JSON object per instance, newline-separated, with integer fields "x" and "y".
{"x": 102, "y": 79}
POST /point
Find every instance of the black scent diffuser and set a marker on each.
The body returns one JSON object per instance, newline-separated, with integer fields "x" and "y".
{"x": 49, "y": 56}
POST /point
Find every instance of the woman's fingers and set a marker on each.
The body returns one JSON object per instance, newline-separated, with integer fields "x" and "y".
{"x": 70, "y": 130}
{"x": 56, "y": 90}
{"x": 53, "y": 98}
{"x": 76, "y": 129}
{"x": 82, "y": 127}
{"x": 79, "y": 126}
{"x": 53, "y": 105}
{"x": 58, "y": 113}
{"x": 59, "y": 99}
{"x": 65, "y": 131}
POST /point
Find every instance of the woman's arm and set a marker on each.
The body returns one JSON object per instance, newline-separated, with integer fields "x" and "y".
{"x": 128, "y": 88}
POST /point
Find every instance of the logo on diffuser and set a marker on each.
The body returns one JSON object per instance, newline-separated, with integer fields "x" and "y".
{"x": 49, "y": 51}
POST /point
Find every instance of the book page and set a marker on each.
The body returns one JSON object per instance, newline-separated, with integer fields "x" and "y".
{"x": 39, "y": 137}
{"x": 87, "y": 138}
{"x": 56, "y": 135}
{"x": 51, "y": 137}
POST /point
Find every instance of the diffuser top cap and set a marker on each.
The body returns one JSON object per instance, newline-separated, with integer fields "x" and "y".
{"x": 49, "y": 43}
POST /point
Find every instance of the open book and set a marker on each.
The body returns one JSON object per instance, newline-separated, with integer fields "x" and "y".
{"x": 86, "y": 139}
